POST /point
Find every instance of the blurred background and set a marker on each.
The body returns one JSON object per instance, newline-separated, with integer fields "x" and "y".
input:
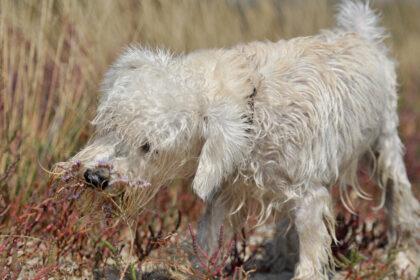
{"x": 53, "y": 55}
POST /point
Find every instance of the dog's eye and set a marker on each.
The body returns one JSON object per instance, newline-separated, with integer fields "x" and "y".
{"x": 145, "y": 147}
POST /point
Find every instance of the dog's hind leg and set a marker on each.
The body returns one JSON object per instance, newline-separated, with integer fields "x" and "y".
{"x": 314, "y": 222}
{"x": 403, "y": 209}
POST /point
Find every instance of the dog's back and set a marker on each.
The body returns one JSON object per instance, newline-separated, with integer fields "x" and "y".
{"x": 324, "y": 103}
{"x": 324, "y": 100}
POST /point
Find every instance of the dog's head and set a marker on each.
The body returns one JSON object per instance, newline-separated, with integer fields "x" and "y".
{"x": 156, "y": 122}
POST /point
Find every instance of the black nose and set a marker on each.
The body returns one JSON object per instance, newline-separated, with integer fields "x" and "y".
{"x": 98, "y": 178}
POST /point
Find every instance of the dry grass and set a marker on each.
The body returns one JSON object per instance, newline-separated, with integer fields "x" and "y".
{"x": 54, "y": 53}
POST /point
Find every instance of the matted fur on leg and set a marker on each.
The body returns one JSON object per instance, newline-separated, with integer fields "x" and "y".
{"x": 314, "y": 222}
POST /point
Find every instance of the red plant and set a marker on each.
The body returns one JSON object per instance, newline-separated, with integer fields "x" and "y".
{"x": 212, "y": 265}
{"x": 354, "y": 235}
{"x": 44, "y": 272}
{"x": 147, "y": 240}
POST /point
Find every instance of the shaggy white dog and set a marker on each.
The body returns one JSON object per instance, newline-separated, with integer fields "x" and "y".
{"x": 263, "y": 128}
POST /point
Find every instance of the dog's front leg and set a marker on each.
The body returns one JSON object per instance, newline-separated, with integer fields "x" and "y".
{"x": 210, "y": 224}
{"x": 314, "y": 222}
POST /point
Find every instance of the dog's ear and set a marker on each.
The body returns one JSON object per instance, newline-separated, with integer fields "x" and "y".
{"x": 226, "y": 129}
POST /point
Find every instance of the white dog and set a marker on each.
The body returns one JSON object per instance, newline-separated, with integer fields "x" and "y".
{"x": 262, "y": 128}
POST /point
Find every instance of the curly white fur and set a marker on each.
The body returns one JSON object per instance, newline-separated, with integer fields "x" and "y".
{"x": 263, "y": 128}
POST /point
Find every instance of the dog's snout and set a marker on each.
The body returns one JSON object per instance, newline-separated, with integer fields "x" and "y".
{"x": 98, "y": 178}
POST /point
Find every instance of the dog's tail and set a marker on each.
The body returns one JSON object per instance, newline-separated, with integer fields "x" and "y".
{"x": 358, "y": 17}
